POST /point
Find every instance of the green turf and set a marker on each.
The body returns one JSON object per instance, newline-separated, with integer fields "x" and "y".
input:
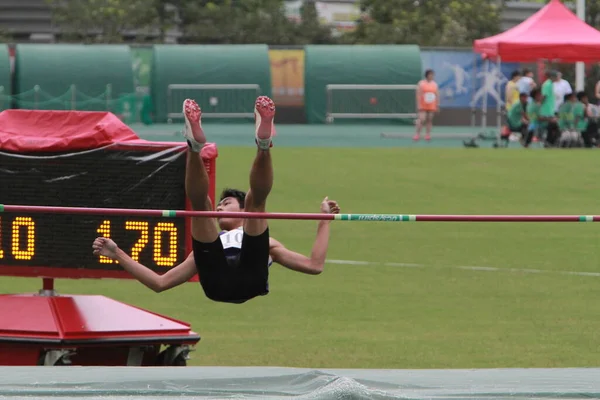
{"x": 434, "y": 316}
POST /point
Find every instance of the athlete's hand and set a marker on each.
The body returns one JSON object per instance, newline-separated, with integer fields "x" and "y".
{"x": 105, "y": 247}
{"x": 330, "y": 206}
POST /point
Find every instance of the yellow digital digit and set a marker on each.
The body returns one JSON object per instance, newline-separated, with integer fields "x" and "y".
{"x": 142, "y": 241}
{"x": 1, "y": 251}
{"x": 29, "y": 251}
{"x": 104, "y": 231}
{"x": 159, "y": 258}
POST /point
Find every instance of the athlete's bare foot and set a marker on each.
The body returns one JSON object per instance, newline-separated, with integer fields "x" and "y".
{"x": 264, "y": 114}
{"x": 193, "y": 131}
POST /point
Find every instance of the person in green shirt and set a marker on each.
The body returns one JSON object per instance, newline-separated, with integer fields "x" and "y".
{"x": 517, "y": 114}
{"x": 536, "y": 124}
{"x": 566, "y": 117}
{"x": 548, "y": 106}
{"x": 548, "y": 103}
{"x": 523, "y": 117}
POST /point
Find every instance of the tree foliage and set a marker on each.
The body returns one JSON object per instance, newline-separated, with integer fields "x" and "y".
{"x": 235, "y": 21}
{"x": 427, "y": 22}
{"x": 422, "y": 22}
{"x": 106, "y": 21}
{"x": 310, "y": 30}
{"x": 250, "y": 21}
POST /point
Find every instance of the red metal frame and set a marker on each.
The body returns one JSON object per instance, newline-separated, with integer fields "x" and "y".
{"x": 98, "y": 330}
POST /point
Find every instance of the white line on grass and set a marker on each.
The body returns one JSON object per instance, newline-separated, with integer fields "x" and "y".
{"x": 465, "y": 267}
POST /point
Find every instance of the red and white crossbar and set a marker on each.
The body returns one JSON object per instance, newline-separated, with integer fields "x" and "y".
{"x": 298, "y": 216}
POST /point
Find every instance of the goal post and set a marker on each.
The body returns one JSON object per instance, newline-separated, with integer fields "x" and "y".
{"x": 215, "y": 100}
{"x": 371, "y": 102}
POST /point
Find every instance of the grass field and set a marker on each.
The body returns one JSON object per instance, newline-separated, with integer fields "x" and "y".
{"x": 434, "y": 315}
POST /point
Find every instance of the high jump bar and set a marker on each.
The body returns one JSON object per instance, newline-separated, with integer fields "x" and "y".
{"x": 298, "y": 216}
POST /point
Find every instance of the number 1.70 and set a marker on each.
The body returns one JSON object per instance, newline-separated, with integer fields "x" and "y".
{"x": 143, "y": 228}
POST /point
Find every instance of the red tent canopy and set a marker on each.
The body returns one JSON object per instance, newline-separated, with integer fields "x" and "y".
{"x": 553, "y": 33}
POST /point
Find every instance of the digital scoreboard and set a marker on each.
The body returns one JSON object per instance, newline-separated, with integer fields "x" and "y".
{"x": 140, "y": 176}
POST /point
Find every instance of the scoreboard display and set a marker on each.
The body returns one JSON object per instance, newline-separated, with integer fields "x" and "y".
{"x": 116, "y": 176}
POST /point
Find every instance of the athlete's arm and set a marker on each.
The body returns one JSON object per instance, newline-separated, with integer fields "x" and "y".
{"x": 314, "y": 264}
{"x": 158, "y": 283}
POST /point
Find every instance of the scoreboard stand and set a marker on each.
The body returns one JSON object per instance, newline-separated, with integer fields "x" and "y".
{"x": 89, "y": 159}
{"x": 52, "y": 329}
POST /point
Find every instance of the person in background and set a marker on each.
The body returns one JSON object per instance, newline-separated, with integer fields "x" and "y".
{"x": 536, "y": 123}
{"x": 526, "y": 83}
{"x": 548, "y": 108}
{"x": 428, "y": 101}
{"x": 585, "y": 121}
{"x": 566, "y": 117}
{"x": 511, "y": 93}
{"x": 566, "y": 122}
{"x": 561, "y": 89}
{"x": 517, "y": 117}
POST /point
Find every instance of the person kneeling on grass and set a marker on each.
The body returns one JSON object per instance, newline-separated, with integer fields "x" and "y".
{"x": 233, "y": 263}
{"x": 517, "y": 118}
{"x": 569, "y": 136}
{"x": 540, "y": 126}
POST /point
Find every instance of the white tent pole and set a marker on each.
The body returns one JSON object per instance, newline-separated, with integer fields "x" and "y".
{"x": 580, "y": 67}
{"x": 473, "y": 87}
{"x": 498, "y": 105}
{"x": 484, "y": 104}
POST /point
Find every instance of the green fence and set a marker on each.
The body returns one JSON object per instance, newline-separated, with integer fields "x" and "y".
{"x": 361, "y": 82}
{"x": 149, "y": 84}
{"x": 5, "y": 79}
{"x": 130, "y": 107}
{"x": 224, "y": 80}
{"x": 46, "y": 75}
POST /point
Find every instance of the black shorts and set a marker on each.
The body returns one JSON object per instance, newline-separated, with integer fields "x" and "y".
{"x": 234, "y": 279}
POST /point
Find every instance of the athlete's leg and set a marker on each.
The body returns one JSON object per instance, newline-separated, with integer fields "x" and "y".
{"x": 196, "y": 178}
{"x": 261, "y": 174}
{"x": 421, "y": 118}
{"x": 429, "y": 124}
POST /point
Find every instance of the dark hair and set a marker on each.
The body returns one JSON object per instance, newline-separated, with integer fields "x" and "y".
{"x": 523, "y": 94}
{"x": 569, "y": 96}
{"x": 515, "y": 74}
{"x": 581, "y": 95}
{"x": 429, "y": 71}
{"x": 534, "y": 93}
{"x": 526, "y": 71}
{"x": 236, "y": 194}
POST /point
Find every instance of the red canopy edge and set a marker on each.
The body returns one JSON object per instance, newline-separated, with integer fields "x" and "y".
{"x": 553, "y": 33}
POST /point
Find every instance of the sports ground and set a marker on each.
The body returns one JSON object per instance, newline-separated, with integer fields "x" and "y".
{"x": 401, "y": 295}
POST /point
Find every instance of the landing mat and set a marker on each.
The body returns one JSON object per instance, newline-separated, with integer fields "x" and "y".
{"x": 291, "y": 383}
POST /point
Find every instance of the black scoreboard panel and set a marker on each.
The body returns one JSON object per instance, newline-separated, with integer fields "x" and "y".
{"x": 115, "y": 177}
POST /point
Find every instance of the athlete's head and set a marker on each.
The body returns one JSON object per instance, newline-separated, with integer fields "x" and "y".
{"x": 429, "y": 74}
{"x": 536, "y": 95}
{"x": 527, "y": 72}
{"x": 515, "y": 76}
{"x": 231, "y": 200}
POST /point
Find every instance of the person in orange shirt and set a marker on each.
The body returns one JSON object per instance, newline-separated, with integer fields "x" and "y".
{"x": 428, "y": 102}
